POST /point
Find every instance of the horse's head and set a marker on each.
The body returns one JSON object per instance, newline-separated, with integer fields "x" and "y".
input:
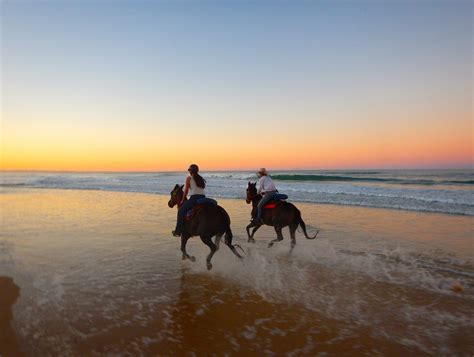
{"x": 251, "y": 191}
{"x": 176, "y": 196}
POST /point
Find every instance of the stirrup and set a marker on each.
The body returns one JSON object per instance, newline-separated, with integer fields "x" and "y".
{"x": 176, "y": 233}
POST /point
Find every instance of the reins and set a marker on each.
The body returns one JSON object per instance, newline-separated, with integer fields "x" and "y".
{"x": 180, "y": 204}
{"x": 254, "y": 197}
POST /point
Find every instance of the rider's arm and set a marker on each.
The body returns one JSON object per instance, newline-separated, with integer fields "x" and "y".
{"x": 186, "y": 188}
{"x": 260, "y": 184}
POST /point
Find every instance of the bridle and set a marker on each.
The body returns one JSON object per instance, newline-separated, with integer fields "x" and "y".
{"x": 251, "y": 198}
{"x": 174, "y": 195}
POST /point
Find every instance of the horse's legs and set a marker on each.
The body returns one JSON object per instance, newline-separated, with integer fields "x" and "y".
{"x": 279, "y": 236}
{"x": 253, "y": 224}
{"x": 293, "y": 228}
{"x": 184, "y": 240}
{"x": 255, "y": 229}
{"x": 250, "y": 235}
{"x": 207, "y": 241}
{"x": 248, "y": 229}
{"x": 218, "y": 241}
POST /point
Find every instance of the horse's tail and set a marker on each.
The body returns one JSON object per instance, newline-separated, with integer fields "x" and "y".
{"x": 229, "y": 235}
{"x": 303, "y": 227}
{"x": 228, "y": 242}
{"x": 226, "y": 226}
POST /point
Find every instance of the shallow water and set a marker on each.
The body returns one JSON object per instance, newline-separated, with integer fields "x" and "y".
{"x": 99, "y": 272}
{"x": 443, "y": 191}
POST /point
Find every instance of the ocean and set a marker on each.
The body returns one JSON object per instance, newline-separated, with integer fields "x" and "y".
{"x": 98, "y": 272}
{"x": 442, "y": 191}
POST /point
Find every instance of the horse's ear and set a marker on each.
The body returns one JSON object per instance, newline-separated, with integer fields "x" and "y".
{"x": 182, "y": 186}
{"x": 176, "y": 186}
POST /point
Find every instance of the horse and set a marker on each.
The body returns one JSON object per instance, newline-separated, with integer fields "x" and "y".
{"x": 207, "y": 221}
{"x": 281, "y": 215}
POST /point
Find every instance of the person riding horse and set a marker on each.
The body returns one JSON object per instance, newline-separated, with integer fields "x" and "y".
{"x": 267, "y": 189}
{"x": 207, "y": 221}
{"x": 195, "y": 185}
{"x": 278, "y": 214}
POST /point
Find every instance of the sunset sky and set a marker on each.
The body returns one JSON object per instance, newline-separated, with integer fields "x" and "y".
{"x": 156, "y": 85}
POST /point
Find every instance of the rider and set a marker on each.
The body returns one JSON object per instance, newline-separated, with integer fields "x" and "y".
{"x": 195, "y": 186}
{"x": 267, "y": 188}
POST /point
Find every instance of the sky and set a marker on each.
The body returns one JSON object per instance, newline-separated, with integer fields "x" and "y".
{"x": 156, "y": 85}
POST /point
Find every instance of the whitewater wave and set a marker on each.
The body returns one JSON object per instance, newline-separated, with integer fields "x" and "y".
{"x": 452, "y": 193}
{"x": 335, "y": 178}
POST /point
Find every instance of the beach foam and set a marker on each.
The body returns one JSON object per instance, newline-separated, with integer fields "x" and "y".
{"x": 100, "y": 273}
{"x": 444, "y": 191}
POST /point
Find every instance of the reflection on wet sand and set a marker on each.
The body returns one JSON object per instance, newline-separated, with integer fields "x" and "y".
{"x": 9, "y": 294}
{"x": 100, "y": 274}
{"x": 211, "y": 316}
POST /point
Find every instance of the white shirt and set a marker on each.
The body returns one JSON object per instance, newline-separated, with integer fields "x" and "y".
{"x": 265, "y": 184}
{"x": 194, "y": 189}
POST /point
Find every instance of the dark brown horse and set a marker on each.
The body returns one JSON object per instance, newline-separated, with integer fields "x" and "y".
{"x": 209, "y": 221}
{"x": 282, "y": 215}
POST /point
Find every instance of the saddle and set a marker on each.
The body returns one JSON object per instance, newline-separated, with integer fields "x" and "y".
{"x": 277, "y": 200}
{"x": 201, "y": 203}
{"x": 272, "y": 204}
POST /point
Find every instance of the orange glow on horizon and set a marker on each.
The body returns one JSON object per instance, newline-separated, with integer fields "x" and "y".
{"x": 335, "y": 154}
{"x": 335, "y": 88}
{"x": 59, "y": 146}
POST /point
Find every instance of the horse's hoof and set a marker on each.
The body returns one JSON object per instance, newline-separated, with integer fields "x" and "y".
{"x": 251, "y": 240}
{"x": 270, "y": 245}
{"x": 183, "y": 257}
{"x": 209, "y": 266}
{"x": 192, "y": 259}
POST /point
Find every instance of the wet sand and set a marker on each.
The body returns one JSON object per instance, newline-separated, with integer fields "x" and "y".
{"x": 100, "y": 273}
{"x": 9, "y": 292}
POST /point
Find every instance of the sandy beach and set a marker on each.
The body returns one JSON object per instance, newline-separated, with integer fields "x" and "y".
{"x": 358, "y": 112}
{"x": 99, "y": 272}
{"x": 9, "y": 294}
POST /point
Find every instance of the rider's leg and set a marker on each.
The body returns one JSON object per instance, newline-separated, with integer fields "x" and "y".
{"x": 265, "y": 199}
{"x": 181, "y": 220}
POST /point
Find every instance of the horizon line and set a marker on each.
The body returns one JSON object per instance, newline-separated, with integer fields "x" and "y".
{"x": 243, "y": 170}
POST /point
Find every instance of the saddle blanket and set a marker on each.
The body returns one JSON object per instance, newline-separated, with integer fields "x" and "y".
{"x": 277, "y": 199}
{"x": 201, "y": 203}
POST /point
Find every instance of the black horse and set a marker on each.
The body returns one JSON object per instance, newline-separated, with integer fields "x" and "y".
{"x": 209, "y": 220}
{"x": 282, "y": 215}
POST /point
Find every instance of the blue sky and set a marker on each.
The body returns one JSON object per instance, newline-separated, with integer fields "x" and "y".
{"x": 326, "y": 71}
